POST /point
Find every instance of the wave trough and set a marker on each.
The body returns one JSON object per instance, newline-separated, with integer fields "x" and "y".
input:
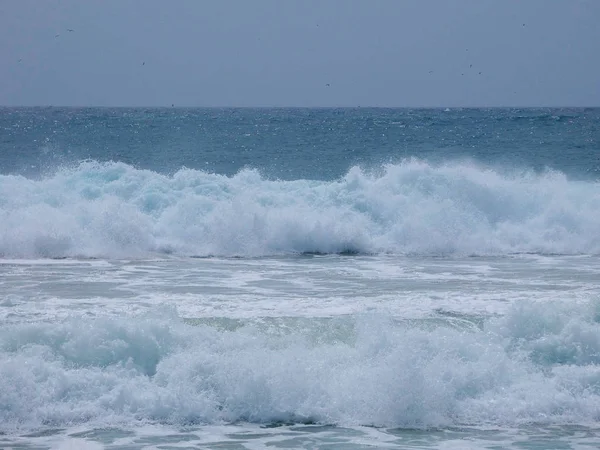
{"x": 115, "y": 210}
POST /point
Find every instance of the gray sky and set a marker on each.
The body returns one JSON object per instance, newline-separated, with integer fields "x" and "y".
{"x": 285, "y": 52}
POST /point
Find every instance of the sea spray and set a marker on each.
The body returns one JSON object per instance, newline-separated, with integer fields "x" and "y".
{"x": 115, "y": 210}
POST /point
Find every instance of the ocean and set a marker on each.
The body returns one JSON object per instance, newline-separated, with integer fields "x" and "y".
{"x": 177, "y": 278}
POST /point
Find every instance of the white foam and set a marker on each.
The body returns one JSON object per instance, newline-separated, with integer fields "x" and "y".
{"x": 115, "y": 210}
{"x": 539, "y": 364}
{"x": 77, "y": 444}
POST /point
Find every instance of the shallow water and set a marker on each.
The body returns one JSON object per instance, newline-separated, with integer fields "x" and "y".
{"x": 480, "y": 352}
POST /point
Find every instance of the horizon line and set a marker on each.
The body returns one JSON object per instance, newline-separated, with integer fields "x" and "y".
{"x": 173, "y": 106}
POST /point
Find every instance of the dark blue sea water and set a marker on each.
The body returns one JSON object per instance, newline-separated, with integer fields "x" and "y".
{"x": 299, "y": 278}
{"x": 289, "y": 144}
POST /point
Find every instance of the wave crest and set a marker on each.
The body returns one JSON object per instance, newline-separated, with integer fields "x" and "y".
{"x": 114, "y": 210}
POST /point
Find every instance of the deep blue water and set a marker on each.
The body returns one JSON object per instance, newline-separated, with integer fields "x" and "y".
{"x": 298, "y": 143}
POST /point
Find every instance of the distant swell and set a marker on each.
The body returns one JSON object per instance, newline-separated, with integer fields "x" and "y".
{"x": 115, "y": 210}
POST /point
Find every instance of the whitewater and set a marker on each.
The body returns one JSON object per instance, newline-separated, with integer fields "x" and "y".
{"x": 299, "y": 279}
{"x": 114, "y": 210}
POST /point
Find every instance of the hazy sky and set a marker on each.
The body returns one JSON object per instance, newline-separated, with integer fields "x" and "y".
{"x": 300, "y": 52}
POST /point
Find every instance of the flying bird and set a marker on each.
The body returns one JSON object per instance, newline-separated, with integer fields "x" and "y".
{"x": 70, "y": 30}
{"x": 56, "y": 35}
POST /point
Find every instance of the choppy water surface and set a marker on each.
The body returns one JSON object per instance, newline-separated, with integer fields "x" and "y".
{"x": 363, "y": 292}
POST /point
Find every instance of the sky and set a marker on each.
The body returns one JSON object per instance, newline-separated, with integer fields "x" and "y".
{"x": 388, "y": 53}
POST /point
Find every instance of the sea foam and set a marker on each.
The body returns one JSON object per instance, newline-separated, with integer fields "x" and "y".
{"x": 538, "y": 364}
{"x": 115, "y": 210}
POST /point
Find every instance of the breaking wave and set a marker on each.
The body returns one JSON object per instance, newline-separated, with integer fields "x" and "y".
{"x": 536, "y": 365}
{"x": 115, "y": 210}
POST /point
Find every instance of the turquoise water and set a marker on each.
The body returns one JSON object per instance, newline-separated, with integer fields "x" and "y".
{"x": 354, "y": 278}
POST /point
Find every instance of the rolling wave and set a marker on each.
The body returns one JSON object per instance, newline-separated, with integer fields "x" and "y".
{"x": 538, "y": 364}
{"x": 115, "y": 210}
